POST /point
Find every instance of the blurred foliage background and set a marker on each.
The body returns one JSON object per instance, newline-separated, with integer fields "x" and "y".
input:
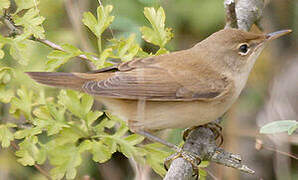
{"x": 191, "y": 21}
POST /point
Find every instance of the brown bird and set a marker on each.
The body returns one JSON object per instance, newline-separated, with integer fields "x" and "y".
{"x": 177, "y": 90}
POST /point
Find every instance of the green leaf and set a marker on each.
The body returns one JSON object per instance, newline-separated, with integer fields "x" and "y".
{"x": 22, "y": 103}
{"x": 28, "y": 151}
{"x": 105, "y": 123}
{"x": 58, "y": 58}
{"x": 19, "y": 51}
{"x": 103, "y": 21}
{"x": 25, "y": 4}
{"x": 31, "y": 21}
{"x": 279, "y": 126}
{"x": 71, "y": 100}
{"x": 67, "y": 136}
{"x": 158, "y": 34}
{"x": 92, "y": 116}
{"x": 6, "y": 74}
{"x": 6, "y": 135}
{"x": 50, "y": 118}
{"x": 125, "y": 49}
{"x": 103, "y": 57}
{"x": 155, "y": 157}
{"x": 20, "y": 134}
{"x": 6, "y": 94}
{"x": 202, "y": 174}
{"x": 101, "y": 153}
{"x": 134, "y": 139}
{"x": 65, "y": 159}
{"x": 86, "y": 103}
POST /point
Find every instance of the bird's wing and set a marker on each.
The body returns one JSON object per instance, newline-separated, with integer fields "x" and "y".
{"x": 153, "y": 80}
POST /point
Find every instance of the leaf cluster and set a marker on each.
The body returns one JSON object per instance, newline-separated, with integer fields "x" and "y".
{"x": 61, "y": 130}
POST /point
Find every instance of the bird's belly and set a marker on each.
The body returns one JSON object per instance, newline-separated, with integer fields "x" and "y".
{"x": 162, "y": 115}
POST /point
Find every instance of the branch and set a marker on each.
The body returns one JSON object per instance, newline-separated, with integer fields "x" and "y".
{"x": 6, "y": 19}
{"x": 201, "y": 141}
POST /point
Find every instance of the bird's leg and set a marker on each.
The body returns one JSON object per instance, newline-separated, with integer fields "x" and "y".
{"x": 190, "y": 157}
{"x": 214, "y": 127}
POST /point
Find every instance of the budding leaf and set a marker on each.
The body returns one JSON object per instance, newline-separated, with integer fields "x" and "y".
{"x": 157, "y": 34}
{"x": 99, "y": 25}
{"x": 22, "y": 103}
{"x": 6, "y": 135}
{"x": 57, "y": 58}
{"x": 28, "y": 151}
{"x": 25, "y": 4}
{"x": 125, "y": 49}
{"x": 31, "y": 21}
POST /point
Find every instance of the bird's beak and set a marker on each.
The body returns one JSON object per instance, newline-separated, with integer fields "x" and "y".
{"x": 277, "y": 34}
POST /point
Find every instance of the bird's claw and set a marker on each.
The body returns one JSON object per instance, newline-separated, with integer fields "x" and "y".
{"x": 194, "y": 159}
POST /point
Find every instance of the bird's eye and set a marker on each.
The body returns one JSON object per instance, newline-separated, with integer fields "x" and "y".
{"x": 243, "y": 49}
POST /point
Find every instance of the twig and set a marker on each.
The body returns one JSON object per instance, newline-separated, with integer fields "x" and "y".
{"x": 6, "y": 19}
{"x": 201, "y": 140}
{"x": 231, "y": 18}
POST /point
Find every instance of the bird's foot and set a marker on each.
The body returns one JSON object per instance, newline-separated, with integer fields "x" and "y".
{"x": 194, "y": 159}
{"x": 214, "y": 127}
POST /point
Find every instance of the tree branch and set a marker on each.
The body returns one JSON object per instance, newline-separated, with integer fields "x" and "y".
{"x": 201, "y": 141}
{"x": 6, "y": 19}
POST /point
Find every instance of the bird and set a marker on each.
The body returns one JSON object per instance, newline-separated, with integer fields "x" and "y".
{"x": 181, "y": 89}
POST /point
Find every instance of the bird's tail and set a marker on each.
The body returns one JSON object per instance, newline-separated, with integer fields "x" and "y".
{"x": 60, "y": 79}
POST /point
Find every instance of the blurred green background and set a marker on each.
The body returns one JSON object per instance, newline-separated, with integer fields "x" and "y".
{"x": 191, "y": 21}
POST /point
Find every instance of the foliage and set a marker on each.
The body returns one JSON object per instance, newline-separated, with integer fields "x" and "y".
{"x": 289, "y": 126}
{"x": 59, "y": 129}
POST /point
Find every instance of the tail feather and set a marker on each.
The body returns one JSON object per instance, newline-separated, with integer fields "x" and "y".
{"x": 59, "y": 79}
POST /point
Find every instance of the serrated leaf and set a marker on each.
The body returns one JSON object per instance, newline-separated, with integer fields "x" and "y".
{"x": 28, "y": 151}
{"x": 278, "y": 127}
{"x": 25, "y": 4}
{"x": 92, "y": 116}
{"x": 105, "y": 123}
{"x": 6, "y": 136}
{"x": 20, "y": 134}
{"x": 58, "y": 58}
{"x": 125, "y": 49}
{"x": 65, "y": 159}
{"x": 101, "y": 153}
{"x": 99, "y": 25}
{"x": 103, "y": 57}
{"x": 155, "y": 157}
{"x": 86, "y": 103}
{"x": 158, "y": 34}
{"x": 31, "y": 21}
{"x": 71, "y": 100}
{"x": 134, "y": 139}
{"x": 22, "y": 103}
{"x": 19, "y": 51}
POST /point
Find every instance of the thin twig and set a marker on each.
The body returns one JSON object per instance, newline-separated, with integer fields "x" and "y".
{"x": 231, "y": 18}
{"x": 6, "y": 19}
